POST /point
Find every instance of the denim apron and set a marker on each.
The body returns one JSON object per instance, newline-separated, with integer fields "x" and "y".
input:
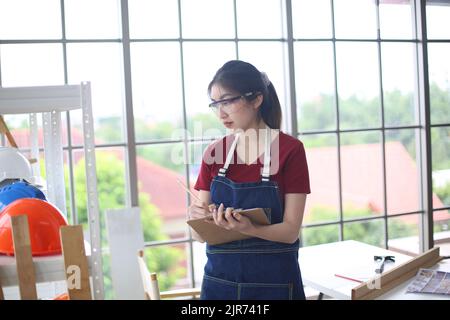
{"x": 251, "y": 269}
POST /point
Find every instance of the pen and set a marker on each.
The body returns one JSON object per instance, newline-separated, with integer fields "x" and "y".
{"x": 187, "y": 190}
{"x": 210, "y": 207}
{"x": 348, "y": 278}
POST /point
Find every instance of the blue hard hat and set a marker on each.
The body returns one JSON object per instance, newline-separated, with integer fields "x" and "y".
{"x": 18, "y": 190}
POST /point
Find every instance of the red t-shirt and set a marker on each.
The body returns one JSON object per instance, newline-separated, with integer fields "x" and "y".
{"x": 292, "y": 175}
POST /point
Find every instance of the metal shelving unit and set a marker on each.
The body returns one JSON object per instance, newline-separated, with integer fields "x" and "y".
{"x": 50, "y": 102}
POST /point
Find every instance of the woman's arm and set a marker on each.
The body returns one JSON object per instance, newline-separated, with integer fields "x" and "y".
{"x": 286, "y": 231}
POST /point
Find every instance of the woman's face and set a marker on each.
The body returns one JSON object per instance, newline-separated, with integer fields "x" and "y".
{"x": 234, "y": 112}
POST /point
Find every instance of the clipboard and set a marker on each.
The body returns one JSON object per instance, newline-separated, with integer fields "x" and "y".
{"x": 214, "y": 234}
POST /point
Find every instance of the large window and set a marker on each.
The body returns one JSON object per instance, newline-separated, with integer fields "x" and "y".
{"x": 350, "y": 86}
{"x": 359, "y": 116}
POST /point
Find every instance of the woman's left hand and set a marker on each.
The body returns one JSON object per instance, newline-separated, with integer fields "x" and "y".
{"x": 230, "y": 220}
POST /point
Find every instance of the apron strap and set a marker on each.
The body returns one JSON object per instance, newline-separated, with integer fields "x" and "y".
{"x": 266, "y": 169}
{"x": 223, "y": 170}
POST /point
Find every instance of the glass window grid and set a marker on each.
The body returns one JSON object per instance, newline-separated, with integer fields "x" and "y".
{"x": 291, "y": 127}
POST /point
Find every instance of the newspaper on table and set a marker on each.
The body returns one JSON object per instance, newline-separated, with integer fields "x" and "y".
{"x": 430, "y": 281}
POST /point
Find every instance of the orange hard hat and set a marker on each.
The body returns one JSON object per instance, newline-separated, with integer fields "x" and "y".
{"x": 44, "y": 221}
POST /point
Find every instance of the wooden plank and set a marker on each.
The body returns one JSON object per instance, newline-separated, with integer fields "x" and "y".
{"x": 145, "y": 275}
{"x": 190, "y": 292}
{"x": 379, "y": 285}
{"x": 154, "y": 287}
{"x": 4, "y": 129}
{"x": 2, "y": 297}
{"x": 75, "y": 263}
{"x": 24, "y": 259}
{"x": 151, "y": 286}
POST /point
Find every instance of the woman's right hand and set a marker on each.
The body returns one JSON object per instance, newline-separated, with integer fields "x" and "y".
{"x": 199, "y": 210}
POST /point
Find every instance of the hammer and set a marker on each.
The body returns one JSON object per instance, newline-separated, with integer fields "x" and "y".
{"x": 383, "y": 260}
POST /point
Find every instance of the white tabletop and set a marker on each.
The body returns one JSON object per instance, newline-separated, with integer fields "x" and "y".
{"x": 320, "y": 264}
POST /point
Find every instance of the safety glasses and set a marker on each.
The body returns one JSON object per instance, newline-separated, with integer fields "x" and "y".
{"x": 228, "y": 105}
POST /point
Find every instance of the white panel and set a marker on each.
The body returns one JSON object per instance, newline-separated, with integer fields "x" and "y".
{"x": 125, "y": 240}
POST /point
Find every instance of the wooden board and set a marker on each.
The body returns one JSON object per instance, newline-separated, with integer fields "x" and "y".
{"x": 179, "y": 293}
{"x": 2, "y": 297}
{"x": 214, "y": 234}
{"x": 151, "y": 286}
{"x": 4, "y": 129}
{"x": 75, "y": 263}
{"x": 24, "y": 259}
{"x": 381, "y": 284}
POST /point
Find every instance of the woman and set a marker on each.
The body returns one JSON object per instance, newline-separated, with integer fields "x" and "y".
{"x": 265, "y": 266}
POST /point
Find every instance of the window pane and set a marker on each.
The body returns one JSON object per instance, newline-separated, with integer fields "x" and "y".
{"x": 69, "y": 213}
{"x": 439, "y": 73}
{"x": 404, "y": 234}
{"x": 268, "y": 58}
{"x": 311, "y": 19}
{"x": 79, "y": 176}
{"x": 440, "y": 143}
{"x": 402, "y": 175}
{"x": 110, "y": 165}
{"x": 207, "y": 19}
{"x": 157, "y": 93}
{"x": 350, "y": 25}
{"x": 19, "y": 126}
{"x": 442, "y": 231}
{"x": 399, "y": 84}
{"x": 358, "y": 85}
{"x": 322, "y": 204}
{"x": 438, "y": 19}
{"x": 319, "y": 235}
{"x": 76, "y": 128}
{"x": 30, "y": 19}
{"x": 170, "y": 263}
{"x": 201, "y": 62}
{"x": 161, "y": 198}
{"x": 362, "y": 174}
{"x": 153, "y": 18}
{"x": 370, "y": 232}
{"x": 87, "y": 19}
{"x": 31, "y": 65}
{"x": 101, "y": 64}
{"x": 396, "y": 20}
{"x": 195, "y": 156}
{"x": 314, "y": 79}
{"x": 265, "y": 24}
